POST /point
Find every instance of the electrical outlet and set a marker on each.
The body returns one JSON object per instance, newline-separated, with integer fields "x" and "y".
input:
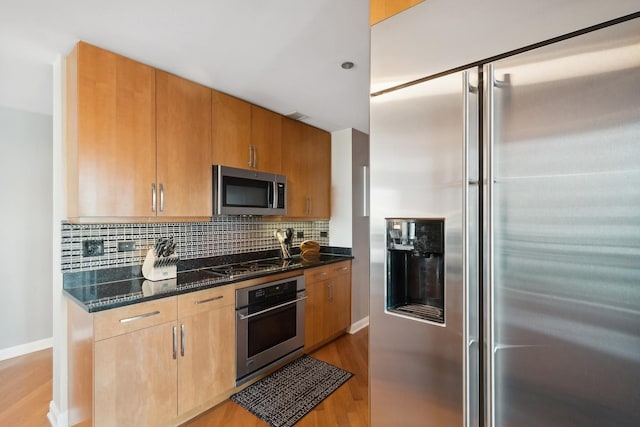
{"x": 92, "y": 248}
{"x": 126, "y": 246}
{"x": 324, "y": 234}
{"x": 300, "y": 234}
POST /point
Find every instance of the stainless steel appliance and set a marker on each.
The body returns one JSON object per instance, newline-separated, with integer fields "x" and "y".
{"x": 415, "y": 268}
{"x": 533, "y": 162}
{"x": 248, "y": 192}
{"x": 269, "y": 325}
{"x": 248, "y": 268}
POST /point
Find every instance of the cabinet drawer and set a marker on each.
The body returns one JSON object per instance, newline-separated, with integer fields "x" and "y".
{"x": 201, "y": 301}
{"x": 325, "y": 272}
{"x": 317, "y": 274}
{"x": 341, "y": 268}
{"x": 118, "y": 321}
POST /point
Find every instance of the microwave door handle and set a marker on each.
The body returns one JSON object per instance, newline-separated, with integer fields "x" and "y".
{"x": 274, "y": 194}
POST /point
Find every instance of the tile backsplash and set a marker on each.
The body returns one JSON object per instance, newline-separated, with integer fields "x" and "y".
{"x": 221, "y": 236}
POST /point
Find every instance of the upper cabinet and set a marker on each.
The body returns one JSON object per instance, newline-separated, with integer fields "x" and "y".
{"x": 265, "y": 140}
{"x": 306, "y": 161}
{"x": 183, "y": 149}
{"x": 119, "y": 164}
{"x": 231, "y": 131}
{"x": 111, "y": 134}
{"x": 140, "y": 143}
{"x": 380, "y": 10}
{"x": 245, "y": 135}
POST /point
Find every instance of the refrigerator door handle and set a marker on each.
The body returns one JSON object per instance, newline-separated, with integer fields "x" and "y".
{"x": 501, "y": 83}
{"x": 469, "y": 241}
{"x": 489, "y": 356}
{"x": 466, "y": 88}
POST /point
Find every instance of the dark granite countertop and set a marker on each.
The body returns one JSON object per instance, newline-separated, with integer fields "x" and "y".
{"x": 99, "y": 290}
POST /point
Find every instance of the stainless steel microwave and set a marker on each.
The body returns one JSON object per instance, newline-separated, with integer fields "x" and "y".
{"x": 248, "y": 192}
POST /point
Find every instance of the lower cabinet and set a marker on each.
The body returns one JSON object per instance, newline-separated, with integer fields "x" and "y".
{"x": 151, "y": 364}
{"x": 206, "y": 364}
{"x": 328, "y": 305}
{"x": 135, "y": 378}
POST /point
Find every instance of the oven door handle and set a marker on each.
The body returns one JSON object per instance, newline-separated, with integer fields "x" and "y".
{"x": 275, "y": 307}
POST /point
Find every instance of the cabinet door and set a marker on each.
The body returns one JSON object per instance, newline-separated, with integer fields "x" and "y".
{"x": 135, "y": 378}
{"x": 206, "y": 367}
{"x": 318, "y": 148}
{"x": 314, "y": 312}
{"x": 340, "y": 301}
{"x": 294, "y": 166}
{"x": 265, "y": 138}
{"x": 306, "y": 161}
{"x": 380, "y": 10}
{"x": 231, "y": 131}
{"x": 111, "y": 134}
{"x": 184, "y": 147}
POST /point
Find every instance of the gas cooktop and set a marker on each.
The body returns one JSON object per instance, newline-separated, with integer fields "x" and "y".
{"x": 248, "y": 268}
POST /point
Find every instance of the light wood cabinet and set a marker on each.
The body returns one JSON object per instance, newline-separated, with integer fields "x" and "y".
{"x": 306, "y": 161}
{"x": 206, "y": 366}
{"x": 328, "y": 305}
{"x": 244, "y": 135}
{"x": 137, "y": 142}
{"x": 135, "y": 378}
{"x": 155, "y": 363}
{"x": 265, "y": 139}
{"x": 231, "y": 131}
{"x": 183, "y": 149}
{"x": 111, "y": 134}
{"x": 380, "y": 10}
{"x": 134, "y": 363}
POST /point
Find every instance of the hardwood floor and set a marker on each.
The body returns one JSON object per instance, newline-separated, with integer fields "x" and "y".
{"x": 25, "y": 391}
{"x": 347, "y": 406}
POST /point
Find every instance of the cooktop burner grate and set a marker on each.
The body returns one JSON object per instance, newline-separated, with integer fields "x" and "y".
{"x": 248, "y": 268}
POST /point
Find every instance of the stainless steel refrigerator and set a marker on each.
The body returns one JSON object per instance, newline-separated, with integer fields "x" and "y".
{"x": 532, "y": 165}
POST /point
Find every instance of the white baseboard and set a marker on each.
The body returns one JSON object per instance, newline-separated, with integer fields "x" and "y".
{"x": 360, "y": 324}
{"x": 57, "y": 418}
{"x": 30, "y": 347}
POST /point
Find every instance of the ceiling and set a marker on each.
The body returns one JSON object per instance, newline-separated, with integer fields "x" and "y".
{"x": 284, "y": 55}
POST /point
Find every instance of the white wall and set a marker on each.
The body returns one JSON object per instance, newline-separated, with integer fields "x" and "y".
{"x": 341, "y": 209}
{"x": 58, "y": 413}
{"x": 360, "y": 229}
{"x": 25, "y": 230}
{"x": 349, "y": 227}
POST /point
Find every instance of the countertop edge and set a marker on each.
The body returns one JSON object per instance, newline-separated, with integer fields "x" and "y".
{"x": 137, "y": 298}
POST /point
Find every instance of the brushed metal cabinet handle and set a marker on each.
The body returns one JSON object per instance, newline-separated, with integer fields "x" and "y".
{"x": 182, "y": 338}
{"x": 175, "y": 342}
{"x": 250, "y": 155}
{"x": 161, "y": 198}
{"x": 141, "y": 316}
{"x": 153, "y": 197}
{"x": 209, "y": 300}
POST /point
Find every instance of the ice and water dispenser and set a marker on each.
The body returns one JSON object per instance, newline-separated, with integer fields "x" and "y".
{"x": 415, "y": 268}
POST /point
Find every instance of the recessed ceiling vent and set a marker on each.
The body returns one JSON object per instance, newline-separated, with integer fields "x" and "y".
{"x": 297, "y": 116}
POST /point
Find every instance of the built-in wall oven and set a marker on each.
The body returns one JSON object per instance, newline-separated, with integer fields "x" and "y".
{"x": 269, "y": 325}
